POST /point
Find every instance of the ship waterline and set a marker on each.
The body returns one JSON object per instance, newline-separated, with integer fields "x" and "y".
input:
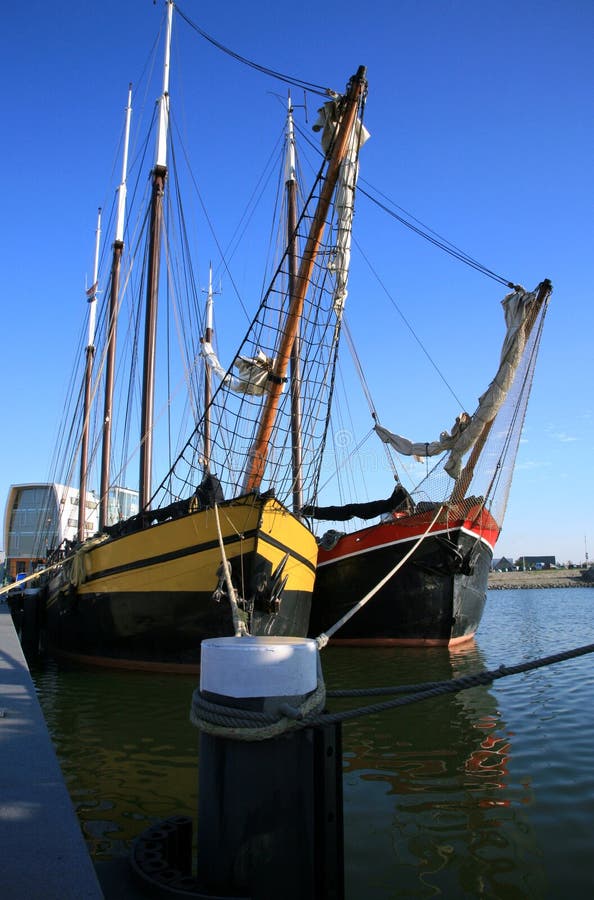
{"x": 137, "y": 596}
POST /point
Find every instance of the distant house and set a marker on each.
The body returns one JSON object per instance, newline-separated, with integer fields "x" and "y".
{"x": 503, "y": 565}
{"x": 537, "y": 562}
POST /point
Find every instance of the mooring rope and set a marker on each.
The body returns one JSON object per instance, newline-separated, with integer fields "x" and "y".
{"x": 252, "y": 725}
{"x": 239, "y": 625}
{"x": 241, "y": 724}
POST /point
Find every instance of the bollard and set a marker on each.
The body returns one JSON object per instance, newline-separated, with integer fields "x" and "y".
{"x": 269, "y": 811}
{"x": 31, "y": 620}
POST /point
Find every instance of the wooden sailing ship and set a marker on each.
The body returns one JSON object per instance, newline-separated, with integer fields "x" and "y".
{"x": 229, "y": 542}
{"x": 419, "y": 576}
{"x": 219, "y": 547}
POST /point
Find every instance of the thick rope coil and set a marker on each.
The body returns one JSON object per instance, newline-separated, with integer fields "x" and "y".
{"x": 238, "y": 724}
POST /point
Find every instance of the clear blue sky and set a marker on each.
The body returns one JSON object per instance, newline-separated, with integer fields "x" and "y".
{"x": 482, "y": 126}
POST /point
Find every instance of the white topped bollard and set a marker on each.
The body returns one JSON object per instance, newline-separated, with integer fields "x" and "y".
{"x": 263, "y": 668}
{"x": 269, "y": 792}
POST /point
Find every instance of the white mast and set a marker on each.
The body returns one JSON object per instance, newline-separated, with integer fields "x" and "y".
{"x": 161, "y": 149}
{"x": 290, "y": 166}
{"x": 90, "y": 353}
{"x": 118, "y": 246}
{"x": 92, "y": 291}
{"x": 208, "y": 334}
{"x": 293, "y": 251}
{"x": 122, "y": 189}
{"x": 209, "y": 302}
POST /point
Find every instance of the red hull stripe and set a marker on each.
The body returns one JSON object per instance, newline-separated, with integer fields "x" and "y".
{"x": 401, "y": 642}
{"x": 383, "y": 536}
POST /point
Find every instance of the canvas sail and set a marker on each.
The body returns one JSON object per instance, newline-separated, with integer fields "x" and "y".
{"x": 517, "y": 307}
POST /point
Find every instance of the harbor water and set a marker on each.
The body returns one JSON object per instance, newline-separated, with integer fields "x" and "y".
{"x": 484, "y": 793}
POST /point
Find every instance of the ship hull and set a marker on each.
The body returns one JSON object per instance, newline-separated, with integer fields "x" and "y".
{"x": 435, "y": 597}
{"x": 152, "y": 595}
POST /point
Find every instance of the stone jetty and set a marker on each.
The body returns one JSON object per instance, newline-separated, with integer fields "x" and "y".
{"x": 544, "y": 578}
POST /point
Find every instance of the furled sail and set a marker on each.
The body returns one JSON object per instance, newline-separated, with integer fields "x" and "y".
{"x": 344, "y": 202}
{"x": 446, "y": 441}
{"x": 253, "y": 372}
{"x": 517, "y": 307}
{"x": 399, "y": 498}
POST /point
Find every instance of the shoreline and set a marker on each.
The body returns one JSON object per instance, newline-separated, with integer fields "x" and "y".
{"x": 544, "y": 578}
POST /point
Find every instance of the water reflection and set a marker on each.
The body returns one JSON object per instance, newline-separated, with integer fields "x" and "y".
{"x": 460, "y": 796}
{"x": 429, "y": 808}
{"x": 127, "y": 749}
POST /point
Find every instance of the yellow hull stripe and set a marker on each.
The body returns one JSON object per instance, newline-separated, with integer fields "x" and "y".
{"x": 184, "y": 554}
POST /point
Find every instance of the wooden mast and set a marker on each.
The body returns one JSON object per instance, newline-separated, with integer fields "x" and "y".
{"x": 259, "y": 451}
{"x": 291, "y": 186}
{"x": 150, "y": 328}
{"x": 118, "y": 247}
{"x": 90, "y": 355}
{"x": 465, "y": 477}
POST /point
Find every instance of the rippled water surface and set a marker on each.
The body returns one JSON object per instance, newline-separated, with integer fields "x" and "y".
{"x": 485, "y": 793}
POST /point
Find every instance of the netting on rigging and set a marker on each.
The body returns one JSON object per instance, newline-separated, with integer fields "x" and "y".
{"x": 240, "y": 388}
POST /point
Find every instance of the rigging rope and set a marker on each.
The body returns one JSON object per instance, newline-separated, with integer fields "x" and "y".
{"x": 367, "y": 392}
{"x": 441, "y": 243}
{"x": 408, "y": 325}
{"x": 238, "y": 624}
{"x": 288, "y": 79}
{"x": 420, "y": 228}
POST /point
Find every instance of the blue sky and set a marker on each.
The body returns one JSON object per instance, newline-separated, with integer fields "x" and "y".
{"x": 482, "y": 127}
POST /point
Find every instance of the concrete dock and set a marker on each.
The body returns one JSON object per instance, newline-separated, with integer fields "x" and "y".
{"x": 42, "y": 850}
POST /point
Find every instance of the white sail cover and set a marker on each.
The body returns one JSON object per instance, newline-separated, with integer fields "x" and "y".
{"x": 467, "y": 429}
{"x": 344, "y": 201}
{"x": 253, "y": 371}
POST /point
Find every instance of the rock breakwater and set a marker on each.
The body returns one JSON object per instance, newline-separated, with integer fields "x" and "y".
{"x": 545, "y": 578}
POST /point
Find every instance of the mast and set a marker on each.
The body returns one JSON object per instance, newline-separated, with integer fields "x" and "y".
{"x": 118, "y": 247}
{"x": 259, "y": 451}
{"x": 89, "y": 354}
{"x": 291, "y": 187}
{"x": 159, "y": 176}
{"x": 208, "y": 333}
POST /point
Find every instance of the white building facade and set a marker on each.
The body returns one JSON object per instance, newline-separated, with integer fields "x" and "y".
{"x": 39, "y": 518}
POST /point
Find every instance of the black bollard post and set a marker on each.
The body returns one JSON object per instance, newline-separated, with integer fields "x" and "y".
{"x": 269, "y": 811}
{"x": 31, "y": 620}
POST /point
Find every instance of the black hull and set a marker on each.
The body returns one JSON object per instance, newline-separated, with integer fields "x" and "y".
{"x": 162, "y": 628}
{"x": 437, "y": 597}
{"x": 153, "y": 595}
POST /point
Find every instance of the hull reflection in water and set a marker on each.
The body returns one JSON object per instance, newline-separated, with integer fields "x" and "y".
{"x": 461, "y": 796}
{"x": 424, "y": 786}
{"x": 126, "y": 747}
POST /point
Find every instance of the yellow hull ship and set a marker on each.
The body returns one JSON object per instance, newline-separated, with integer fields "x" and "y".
{"x": 155, "y": 594}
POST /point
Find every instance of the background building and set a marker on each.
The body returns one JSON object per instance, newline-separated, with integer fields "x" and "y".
{"x": 40, "y": 517}
{"x": 536, "y": 562}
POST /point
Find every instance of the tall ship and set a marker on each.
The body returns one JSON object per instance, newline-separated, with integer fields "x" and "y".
{"x": 250, "y": 525}
{"x": 219, "y": 545}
